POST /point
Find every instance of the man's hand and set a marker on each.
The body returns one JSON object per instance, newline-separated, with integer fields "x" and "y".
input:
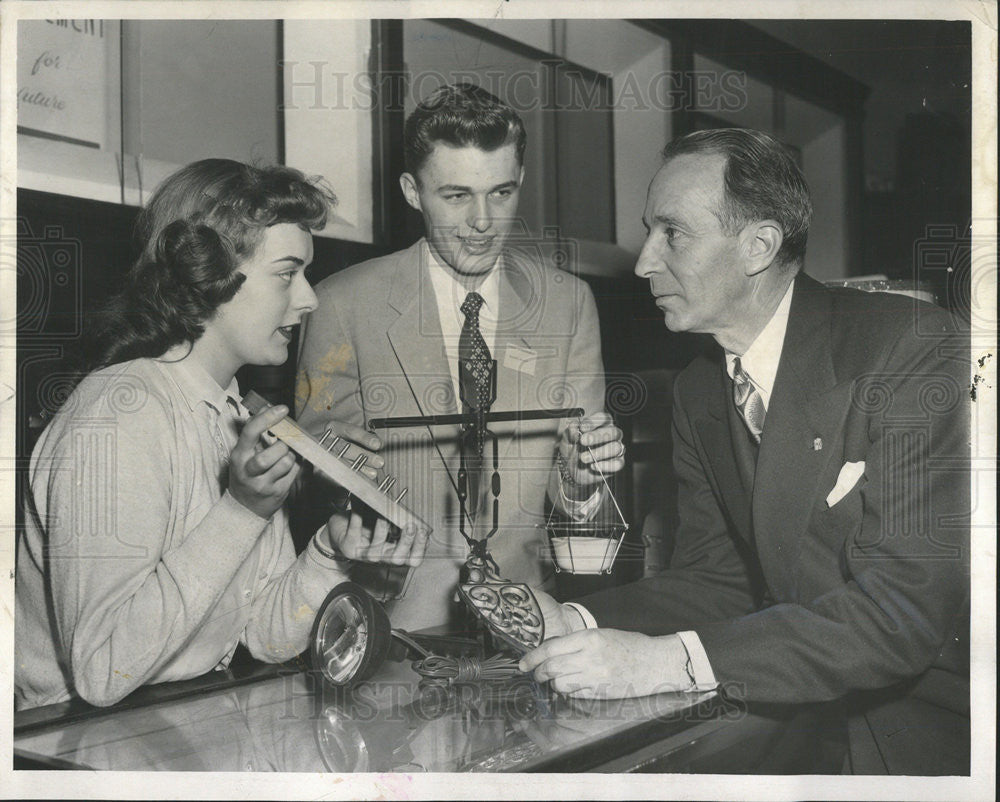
{"x": 261, "y": 475}
{"x": 610, "y": 664}
{"x": 357, "y": 540}
{"x": 592, "y": 446}
{"x": 559, "y": 619}
{"x": 358, "y": 439}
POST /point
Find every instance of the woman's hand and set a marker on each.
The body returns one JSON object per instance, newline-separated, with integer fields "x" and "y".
{"x": 358, "y": 539}
{"x": 260, "y": 475}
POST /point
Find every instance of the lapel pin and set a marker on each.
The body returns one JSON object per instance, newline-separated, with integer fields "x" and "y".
{"x": 818, "y": 444}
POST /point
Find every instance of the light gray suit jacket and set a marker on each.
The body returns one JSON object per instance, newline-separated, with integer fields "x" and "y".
{"x": 374, "y": 349}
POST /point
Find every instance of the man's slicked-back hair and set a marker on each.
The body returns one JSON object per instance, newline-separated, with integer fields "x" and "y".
{"x": 460, "y": 115}
{"x": 762, "y": 182}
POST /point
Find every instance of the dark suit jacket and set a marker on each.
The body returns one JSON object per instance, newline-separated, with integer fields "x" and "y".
{"x": 794, "y": 601}
{"x": 374, "y": 348}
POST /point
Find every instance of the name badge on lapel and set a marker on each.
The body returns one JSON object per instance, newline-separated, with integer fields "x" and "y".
{"x": 520, "y": 358}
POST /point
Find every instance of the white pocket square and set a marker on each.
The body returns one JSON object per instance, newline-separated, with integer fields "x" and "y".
{"x": 849, "y": 475}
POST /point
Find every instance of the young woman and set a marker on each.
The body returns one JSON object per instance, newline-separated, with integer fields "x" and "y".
{"x": 155, "y": 539}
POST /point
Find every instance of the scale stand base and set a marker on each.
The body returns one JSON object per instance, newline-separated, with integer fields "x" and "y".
{"x": 508, "y": 609}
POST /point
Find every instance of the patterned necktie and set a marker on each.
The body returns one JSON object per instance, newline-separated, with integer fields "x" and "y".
{"x": 475, "y": 360}
{"x": 475, "y": 381}
{"x": 748, "y": 400}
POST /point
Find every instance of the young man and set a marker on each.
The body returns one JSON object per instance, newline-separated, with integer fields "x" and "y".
{"x": 388, "y": 336}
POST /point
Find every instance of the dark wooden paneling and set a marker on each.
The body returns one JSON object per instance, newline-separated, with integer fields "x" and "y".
{"x": 396, "y": 224}
{"x": 744, "y": 47}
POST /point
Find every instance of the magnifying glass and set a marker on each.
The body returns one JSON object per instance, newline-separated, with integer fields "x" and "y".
{"x": 353, "y": 638}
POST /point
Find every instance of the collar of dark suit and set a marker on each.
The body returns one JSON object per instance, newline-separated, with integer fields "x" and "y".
{"x": 806, "y": 375}
{"x": 805, "y": 351}
{"x": 803, "y": 428}
{"x": 805, "y": 412}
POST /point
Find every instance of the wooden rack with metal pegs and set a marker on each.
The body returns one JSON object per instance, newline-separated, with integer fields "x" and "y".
{"x": 336, "y": 466}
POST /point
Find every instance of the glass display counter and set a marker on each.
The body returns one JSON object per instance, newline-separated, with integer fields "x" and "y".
{"x": 287, "y": 718}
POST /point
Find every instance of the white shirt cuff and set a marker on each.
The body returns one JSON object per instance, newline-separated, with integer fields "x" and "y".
{"x": 698, "y": 666}
{"x": 581, "y": 510}
{"x": 588, "y": 620}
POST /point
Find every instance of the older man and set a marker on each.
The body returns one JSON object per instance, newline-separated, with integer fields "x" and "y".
{"x": 822, "y": 459}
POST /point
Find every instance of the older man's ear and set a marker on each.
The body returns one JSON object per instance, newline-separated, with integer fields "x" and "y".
{"x": 761, "y": 242}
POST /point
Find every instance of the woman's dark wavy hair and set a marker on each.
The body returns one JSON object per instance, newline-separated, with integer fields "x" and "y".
{"x": 460, "y": 115}
{"x": 201, "y": 224}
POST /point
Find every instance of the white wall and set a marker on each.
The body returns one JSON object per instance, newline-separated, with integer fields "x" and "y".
{"x": 328, "y": 115}
{"x": 191, "y": 89}
{"x": 820, "y": 137}
{"x": 637, "y": 62}
{"x": 535, "y": 33}
{"x": 201, "y": 90}
{"x": 67, "y": 167}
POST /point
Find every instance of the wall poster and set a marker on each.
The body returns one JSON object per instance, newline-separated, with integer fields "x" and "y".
{"x": 63, "y": 79}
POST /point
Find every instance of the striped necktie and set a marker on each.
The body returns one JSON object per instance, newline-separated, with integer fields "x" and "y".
{"x": 748, "y": 400}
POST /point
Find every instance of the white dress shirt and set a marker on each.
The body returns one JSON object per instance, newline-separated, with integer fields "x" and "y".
{"x": 760, "y": 361}
{"x": 450, "y": 295}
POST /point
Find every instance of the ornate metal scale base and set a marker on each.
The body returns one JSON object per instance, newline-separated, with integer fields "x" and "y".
{"x": 509, "y": 609}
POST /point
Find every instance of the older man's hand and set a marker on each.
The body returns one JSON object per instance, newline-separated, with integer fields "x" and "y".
{"x": 560, "y": 619}
{"x": 610, "y": 664}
